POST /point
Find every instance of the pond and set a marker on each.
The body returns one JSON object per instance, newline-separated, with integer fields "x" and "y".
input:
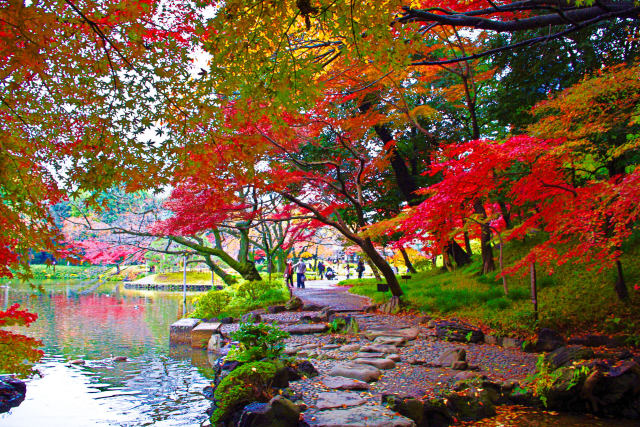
{"x": 157, "y": 385}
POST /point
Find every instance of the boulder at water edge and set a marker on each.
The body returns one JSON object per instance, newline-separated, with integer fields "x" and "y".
{"x": 12, "y": 392}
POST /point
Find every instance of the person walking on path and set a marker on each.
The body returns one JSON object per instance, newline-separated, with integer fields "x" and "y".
{"x": 301, "y": 269}
{"x": 348, "y": 271}
{"x": 288, "y": 274}
{"x": 320, "y": 269}
{"x": 360, "y": 269}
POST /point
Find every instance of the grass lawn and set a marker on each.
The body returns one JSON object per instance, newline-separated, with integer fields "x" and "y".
{"x": 572, "y": 299}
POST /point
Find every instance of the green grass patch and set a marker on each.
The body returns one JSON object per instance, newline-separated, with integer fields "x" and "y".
{"x": 571, "y": 299}
{"x": 236, "y": 300}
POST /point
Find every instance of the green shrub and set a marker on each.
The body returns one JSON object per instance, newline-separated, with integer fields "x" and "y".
{"x": 245, "y": 384}
{"x": 211, "y": 304}
{"x": 498, "y": 303}
{"x": 257, "y": 341}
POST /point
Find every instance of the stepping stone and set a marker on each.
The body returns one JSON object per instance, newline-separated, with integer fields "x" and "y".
{"x": 180, "y": 331}
{"x": 408, "y": 333}
{"x": 356, "y": 371}
{"x": 378, "y": 363}
{"x": 358, "y": 416}
{"x": 397, "y": 341}
{"x": 370, "y": 355}
{"x": 380, "y": 349}
{"x": 309, "y": 346}
{"x": 290, "y": 351}
{"x": 350, "y": 347}
{"x": 345, "y": 383}
{"x": 201, "y": 334}
{"x": 394, "y": 357}
{"x": 338, "y": 399}
{"x": 330, "y": 347}
{"x": 312, "y": 328}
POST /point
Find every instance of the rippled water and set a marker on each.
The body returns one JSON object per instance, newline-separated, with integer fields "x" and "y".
{"x": 157, "y": 385}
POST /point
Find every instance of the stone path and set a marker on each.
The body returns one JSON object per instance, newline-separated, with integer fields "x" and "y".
{"x": 326, "y": 293}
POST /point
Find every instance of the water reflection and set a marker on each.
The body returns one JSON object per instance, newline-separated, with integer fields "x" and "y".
{"x": 153, "y": 387}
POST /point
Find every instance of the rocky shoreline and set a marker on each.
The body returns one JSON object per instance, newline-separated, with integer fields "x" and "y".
{"x": 409, "y": 370}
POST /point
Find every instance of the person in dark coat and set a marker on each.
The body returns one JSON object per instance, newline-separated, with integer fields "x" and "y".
{"x": 321, "y": 269}
{"x": 360, "y": 269}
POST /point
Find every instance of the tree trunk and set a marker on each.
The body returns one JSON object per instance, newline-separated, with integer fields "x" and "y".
{"x": 506, "y": 214}
{"x": 460, "y": 257}
{"x": 407, "y": 261}
{"x": 384, "y": 267}
{"x": 374, "y": 269}
{"x": 467, "y": 243}
{"x": 485, "y": 238}
{"x": 226, "y": 278}
{"x": 446, "y": 260}
{"x": 621, "y": 286}
{"x": 248, "y": 271}
{"x": 534, "y": 289}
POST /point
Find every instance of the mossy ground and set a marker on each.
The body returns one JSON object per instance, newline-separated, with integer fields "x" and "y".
{"x": 572, "y": 299}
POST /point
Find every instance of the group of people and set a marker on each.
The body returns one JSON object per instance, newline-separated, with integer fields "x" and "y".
{"x": 324, "y": 272}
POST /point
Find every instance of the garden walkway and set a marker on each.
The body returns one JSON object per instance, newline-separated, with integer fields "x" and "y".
{"x": 327, "y": 293}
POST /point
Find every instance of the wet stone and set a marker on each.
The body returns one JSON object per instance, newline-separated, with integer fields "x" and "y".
{"x": 345, "y": 383}
{"x": 359, "y": 416}
{"x": 350, "y": 347}
{"x": 380, "y": 349}
{"x": 378, "y": 363}
{"x": 362, "y": 372}
{"x": 338, "y": 399}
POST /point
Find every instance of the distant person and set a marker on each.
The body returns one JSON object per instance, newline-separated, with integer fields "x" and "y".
{"x": 360, "y": 269}
{"x": 301, "y": 269}
{"x": 348, "y": 267}
{"x": 320, "y": 269}
{"x": 288, "y": 274}
{"x": 330, "y": 274}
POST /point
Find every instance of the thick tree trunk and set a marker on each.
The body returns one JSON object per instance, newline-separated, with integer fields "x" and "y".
{"x": 407, "y": 262}
{"x": 467, "y": 243}
{"x": 383, "y": 266}
{"x": 248, "y": 271}
{"x": 621, "y": 286}
{"x": 460, "y": 257}
{"x": 226, "y": 278}
{"x": 446, "y": 259}
{"x": 485, "y": 239}
{"x": 374, "y": 269}
{"x": 534, "y": 288}
{"x": 506, "y": 214}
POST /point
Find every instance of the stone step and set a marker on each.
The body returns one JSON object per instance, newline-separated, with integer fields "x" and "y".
{"x": 180, "y": 331}
{"x": 201, "y": 334}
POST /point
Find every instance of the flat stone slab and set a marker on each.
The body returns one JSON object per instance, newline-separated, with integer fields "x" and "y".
{"x": 408, "y": 333}
{"x": 357, "y": 371}
{"x": 201, "y": 334}
{"x": 344, "y": 383}
{"x": 180, "y": 331}
{"x": 380, "y": 349}
{"x": 378, "y": 363}
{"x": 350, "y": 347}
{"x": 358, "y": 416}
{"x": 384, "y": 340}
{"x": 338, "y": 399}
{"x": 370, "y": 355}
{"x": 312, "y": 328}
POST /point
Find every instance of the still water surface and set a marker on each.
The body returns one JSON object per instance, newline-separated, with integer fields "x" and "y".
{"x": 156, "y": 386}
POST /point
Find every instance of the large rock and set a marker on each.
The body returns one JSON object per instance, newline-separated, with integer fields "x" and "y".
{"x": 548, "y": 340}
{"x": 458, "y": 331}
{"x": 294, "y": 304}
{"x": 344, "y": 383}
{"x": 12, "y": 392}
{"x": 359, "y": 416}
{"x": 338, "y": 399}
{"x": 274, "y": 309}
{"x": 564, "y": 356}
{"x": 592, "y": 340}
{"x": 180, "y": 331}
{"x": 214, "y": 344}
{"x": 451, "y": 356}
{"x": 356, "y": 371}
{"x": 201, "y": 334}
{"x": 378, "y": 363}
{"x": 380, "y": 349}
{"x": 407, "y": 333}
{"x": 279, "y": 412}
{"x": 312, "y": 328}
{"x": 385, "y": 340}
